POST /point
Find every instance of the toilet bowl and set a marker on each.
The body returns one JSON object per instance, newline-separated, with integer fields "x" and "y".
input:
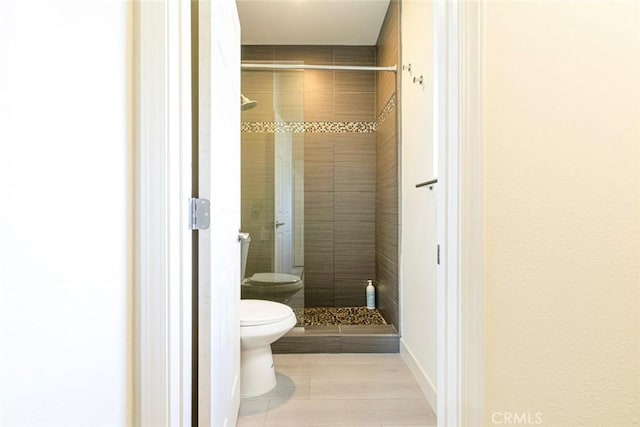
{"x": 261, "y": 323}
{"x": 278, "y": 287}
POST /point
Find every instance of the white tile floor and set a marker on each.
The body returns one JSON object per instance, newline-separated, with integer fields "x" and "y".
{"x": 373, "y": 390}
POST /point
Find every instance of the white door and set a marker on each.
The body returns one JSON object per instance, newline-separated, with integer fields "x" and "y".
{"x": 283, "y": 203}
{"x": 66, "y": 271}
{"x": 219, "y": 181}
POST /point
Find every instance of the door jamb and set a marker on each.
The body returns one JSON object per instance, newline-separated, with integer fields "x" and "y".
{"x": 458, "y": 130}
{"x": 162, "y": 300}
{"x": 162, "y": 307}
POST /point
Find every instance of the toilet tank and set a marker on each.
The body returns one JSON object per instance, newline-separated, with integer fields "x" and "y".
{"x": 245, "y": 240}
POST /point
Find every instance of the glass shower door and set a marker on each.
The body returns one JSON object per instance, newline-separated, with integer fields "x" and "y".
{"x": 273, "y": 186}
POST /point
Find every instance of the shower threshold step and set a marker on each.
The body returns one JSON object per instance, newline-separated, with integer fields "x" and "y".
{"x": 339, "y": 339}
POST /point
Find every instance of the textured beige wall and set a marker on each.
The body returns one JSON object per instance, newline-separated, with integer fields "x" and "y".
{"x": 563, "y": 212}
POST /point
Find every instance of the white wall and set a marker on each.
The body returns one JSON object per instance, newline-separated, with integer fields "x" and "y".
{"x": 563, "y": 211}
{"x": 65, "y": 180}
{"x": 418, "y": 209}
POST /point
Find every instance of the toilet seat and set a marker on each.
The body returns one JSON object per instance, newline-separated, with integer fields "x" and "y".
{"x": 273, "y": 279}
{"x": 261, "y": 312}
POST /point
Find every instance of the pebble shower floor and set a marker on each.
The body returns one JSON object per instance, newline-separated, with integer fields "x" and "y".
{"x": 321, "y": 316}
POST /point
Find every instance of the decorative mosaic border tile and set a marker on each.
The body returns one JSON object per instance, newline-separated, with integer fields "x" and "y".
{"x": 308, "y": 127}
{"x": 386, "y": 111}
{"x": 321, "y": 127}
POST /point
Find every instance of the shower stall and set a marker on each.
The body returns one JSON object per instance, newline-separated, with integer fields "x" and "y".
{"x": 315, "y": 197}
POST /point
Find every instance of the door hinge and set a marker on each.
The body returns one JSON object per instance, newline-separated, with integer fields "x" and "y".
{"x": 199, "y": 211}
{"x": 438, "y": 254}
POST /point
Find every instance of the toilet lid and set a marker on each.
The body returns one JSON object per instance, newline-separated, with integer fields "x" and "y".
{"x": 255, "y": 312}
{"x": 273, "y": 278}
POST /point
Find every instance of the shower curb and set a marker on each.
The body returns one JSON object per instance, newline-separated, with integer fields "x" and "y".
{"x": 339, "y": 339}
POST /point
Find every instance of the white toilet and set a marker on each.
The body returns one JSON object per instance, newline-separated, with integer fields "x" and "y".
{"x": 261, "y": 323}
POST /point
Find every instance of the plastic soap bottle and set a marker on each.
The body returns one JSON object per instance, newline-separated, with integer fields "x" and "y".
{"x": 371, "y": 296}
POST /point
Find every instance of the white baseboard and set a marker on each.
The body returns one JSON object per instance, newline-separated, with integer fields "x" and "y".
{"x": 425, "y": 383}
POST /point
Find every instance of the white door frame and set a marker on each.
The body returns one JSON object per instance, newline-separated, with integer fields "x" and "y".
{"x": 162, "y": 300}
{"x": 162, "y": 304}
{"x": 458, "y": 72}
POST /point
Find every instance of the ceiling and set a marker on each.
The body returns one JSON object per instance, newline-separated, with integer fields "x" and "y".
{"x": 311, "y": 22}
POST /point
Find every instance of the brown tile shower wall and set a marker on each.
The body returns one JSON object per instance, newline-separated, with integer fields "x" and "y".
{"x": 257, "y": 178}
{"x": 339, "y": 168}
{"x": 387, "y": 148}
